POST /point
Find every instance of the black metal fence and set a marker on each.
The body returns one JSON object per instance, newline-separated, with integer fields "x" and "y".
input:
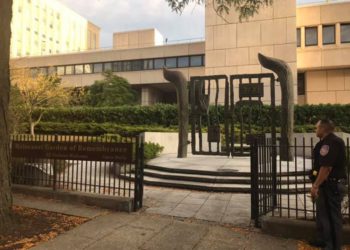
{"x": 282, "y": 188}
{"x": 108, "y": 165}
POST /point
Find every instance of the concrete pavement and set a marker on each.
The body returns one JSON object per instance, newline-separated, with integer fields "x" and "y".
{"x": 143, "y": 231}
{"x": 223, "y": 208}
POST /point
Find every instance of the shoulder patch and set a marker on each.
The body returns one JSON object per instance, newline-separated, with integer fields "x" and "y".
{"x": 324, "y": 150}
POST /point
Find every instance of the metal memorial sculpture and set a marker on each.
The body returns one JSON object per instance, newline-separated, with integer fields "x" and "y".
{"x": 285, "y": 77}
{"x": 180, "y": 82}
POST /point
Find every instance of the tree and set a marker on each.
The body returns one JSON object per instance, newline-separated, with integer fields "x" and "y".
{"x": 245, "y": 8}
{"x": 37, "y": 92}
{"x": 5, "y": 180}
{"x": 111, "y": 91}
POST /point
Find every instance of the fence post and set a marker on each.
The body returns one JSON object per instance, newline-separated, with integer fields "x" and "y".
{"x": 139, "y": 168}
{"x": 254, "y": 188}
{"x": 55, "y": 167}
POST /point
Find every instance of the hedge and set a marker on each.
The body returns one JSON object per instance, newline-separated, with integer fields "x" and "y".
{"x": 166, "y": 115}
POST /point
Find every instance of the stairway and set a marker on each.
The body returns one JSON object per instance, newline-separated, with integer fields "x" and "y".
{"x": 200, "y": 180}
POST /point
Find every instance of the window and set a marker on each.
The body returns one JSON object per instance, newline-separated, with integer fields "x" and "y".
{"x": 117, "y": 67}
{"x": 298, "y": 37}
{"x": 52, "y": 70}
{"x": 60, "y": 70}
{"x": 42, "y": 71}
{"x": 311, "y": 36}
{"x": 148, "y": 64}
{"x": 34, "y": 72}
{"x": 159, "y": 63}
{"x": 79, "y": 69}
{"x": 196, "y": 61}
{"x": 126, "y": 66}
{"x": 107, "y": 66}
{"x": 328, "y": 33}
{"x": 88, "y": 68}
{"x": 98, "y": 68}
{"x": 171, "y": 62}
{"x": 345, "y": 33}
{"x": 183, "y": 62}
{"x": 301, "y": 83}
{"x": 136, "y": 65}
{"x": 69, "y": 70}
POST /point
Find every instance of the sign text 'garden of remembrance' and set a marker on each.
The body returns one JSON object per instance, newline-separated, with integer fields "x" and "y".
{"x": 85, "y": 151}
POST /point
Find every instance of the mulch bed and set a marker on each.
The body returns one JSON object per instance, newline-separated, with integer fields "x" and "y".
{"x": 32, "y": 226}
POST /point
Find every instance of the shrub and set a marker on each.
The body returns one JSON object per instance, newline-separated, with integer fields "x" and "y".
{"x": 152, "y": 150}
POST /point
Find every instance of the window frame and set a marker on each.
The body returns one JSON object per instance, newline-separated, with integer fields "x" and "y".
{"x": 341, "y": 32}
{"x": 201, "y": 58}
{"x": 299, "y": 40}
{"x": 317, "y": 41}
{"x": 334, "y": 34}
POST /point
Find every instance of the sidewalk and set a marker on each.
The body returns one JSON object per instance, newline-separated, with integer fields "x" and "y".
{"x": 223, "y": 208}
{"x": 110, "y": 230}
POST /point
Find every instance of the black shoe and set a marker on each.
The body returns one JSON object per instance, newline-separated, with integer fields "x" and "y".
{"x": 317, "y": 243}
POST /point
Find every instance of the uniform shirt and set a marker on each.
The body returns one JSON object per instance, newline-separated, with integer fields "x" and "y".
{"x": 330, "y": 152}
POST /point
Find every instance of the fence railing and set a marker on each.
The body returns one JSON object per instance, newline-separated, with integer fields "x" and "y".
{"x": 282, "y": 188}
{"x": 108, "y": 165}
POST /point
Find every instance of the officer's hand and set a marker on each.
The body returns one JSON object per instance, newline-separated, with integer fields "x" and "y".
{"x": 314, "y": 192}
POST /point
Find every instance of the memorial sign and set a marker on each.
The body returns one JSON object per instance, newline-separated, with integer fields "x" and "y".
{"x": 85, "y": 151}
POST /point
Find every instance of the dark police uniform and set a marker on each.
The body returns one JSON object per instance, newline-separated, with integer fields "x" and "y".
{"x": 330, "y": 152}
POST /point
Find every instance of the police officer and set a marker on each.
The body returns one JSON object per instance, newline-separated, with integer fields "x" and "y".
{"x": 328, "y": 189}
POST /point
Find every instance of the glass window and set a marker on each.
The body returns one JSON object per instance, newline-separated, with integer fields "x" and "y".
{"x": 148, "y": 64}
{"x": 298, "y": 37}
{"x": 301, "y": 83}
{"x": 42, "y": 71}
{"x": 79, "y": 69}
{"x": 311, "y": 36}
{"x": 126, "y": 66}
{"x": 34, "y": 72}
{"x": 117, "y": 67}
{"x": 107, "y": 66}
{"x": 328, "y": 33}
{"x": 136, "y": 65}
{"x": 60, "y": 70}
{"x": 345, "y": 33}
{"x": 69, "y": 70}
{"x": 159, "y": 63}
{"x": 88, "y": 68}
{"x": 98, "y": 68}
{"x": 171, "y": 62}
{"x": 196, "y": 61}
{"x": 183, "y": 62}
{"x": 52, "y": 70}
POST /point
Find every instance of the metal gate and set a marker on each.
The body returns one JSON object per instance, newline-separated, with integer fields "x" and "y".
{"x": 222, "y": 126}
{"x": 263, "y": 178}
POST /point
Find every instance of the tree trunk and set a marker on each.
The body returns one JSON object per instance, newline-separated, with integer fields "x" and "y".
{"x": 32, "y": 128}
{"x": 179, "y": 80}
{"x": 5, "y": 180}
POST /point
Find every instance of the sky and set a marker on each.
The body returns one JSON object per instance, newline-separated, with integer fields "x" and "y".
{"x": 123, "y": 15}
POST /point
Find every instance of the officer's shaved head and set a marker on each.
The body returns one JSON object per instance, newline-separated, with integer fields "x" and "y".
{"x": 324, "y": 127}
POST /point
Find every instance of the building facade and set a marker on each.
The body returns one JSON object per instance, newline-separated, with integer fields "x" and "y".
{"x": 46, "y": 27}
{"x": 313, "y": 39}
{"x": 323, "y": 53}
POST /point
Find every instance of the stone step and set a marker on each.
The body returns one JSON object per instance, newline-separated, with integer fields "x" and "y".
{"x": 197, "y": 178}
{"x": 188, "y": 170}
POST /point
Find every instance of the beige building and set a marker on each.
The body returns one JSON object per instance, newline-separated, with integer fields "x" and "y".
{"x": 313, "y": 39}
{"x": 323, "y": 53}
{"x": 45, "y": 27}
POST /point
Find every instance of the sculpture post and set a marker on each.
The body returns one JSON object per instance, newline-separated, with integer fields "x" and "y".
{"x": 285, "y": 77}
{"x": 180, "y": 82}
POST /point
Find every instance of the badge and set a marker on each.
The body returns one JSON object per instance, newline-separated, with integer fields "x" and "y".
{"x": 324, "y": 150}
